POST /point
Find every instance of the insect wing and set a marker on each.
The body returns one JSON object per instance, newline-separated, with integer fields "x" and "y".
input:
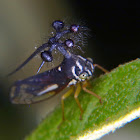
{"x": 38, "y": 87}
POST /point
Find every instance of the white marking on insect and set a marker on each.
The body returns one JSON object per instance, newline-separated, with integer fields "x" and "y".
{"x": 74, "y": 74}
{"x": 72, "y": 82}
{"x": 89, "y": 72}
{"x": 79, "y": 65}
{"x": 50, "y": 88}
{"x": 92, "y": 67}
{"x": 82, "y": 58}
{"x": 59, "y": 68}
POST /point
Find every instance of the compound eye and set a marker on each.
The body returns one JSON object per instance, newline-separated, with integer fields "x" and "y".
{"x": 58, "y": 25}
{"x": 69, "y": 43}
{"x": 83, "y": 76}
{"x": 74, "y": 28}
{"x": 46, "y": 56}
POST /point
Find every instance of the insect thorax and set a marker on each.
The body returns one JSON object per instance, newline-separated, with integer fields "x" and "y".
{"x": 78, "y": 69}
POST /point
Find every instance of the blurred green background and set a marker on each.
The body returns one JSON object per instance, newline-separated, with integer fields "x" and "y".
{"x": 24, "y": 25}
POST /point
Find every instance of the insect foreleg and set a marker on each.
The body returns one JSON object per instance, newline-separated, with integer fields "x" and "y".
{"x": 90, "y": 92}
{"x": 77, "y": 91}
{"x": 68, "y": 93}
{"x": 101, "y": 68}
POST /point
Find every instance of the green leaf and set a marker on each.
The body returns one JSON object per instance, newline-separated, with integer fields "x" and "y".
{"x": 120, "y": 92}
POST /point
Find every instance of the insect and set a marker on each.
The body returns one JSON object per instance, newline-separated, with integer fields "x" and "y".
{"x": 77, "y": 31}
{"x": 73, "y": 72}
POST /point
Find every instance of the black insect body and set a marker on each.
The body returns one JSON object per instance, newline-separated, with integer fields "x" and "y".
{"x": 54, "y": 41}
{"x": 74, "y": 70}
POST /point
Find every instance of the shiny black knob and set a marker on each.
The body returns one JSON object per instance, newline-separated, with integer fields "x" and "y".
{"x": 46, "y": 56}
{"x": 58, "y": 25}
{"x": 74, "y": 28}
{"x": 69, "y": 43}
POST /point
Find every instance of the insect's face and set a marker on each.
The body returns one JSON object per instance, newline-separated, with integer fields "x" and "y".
{"x": 83, "y": 69}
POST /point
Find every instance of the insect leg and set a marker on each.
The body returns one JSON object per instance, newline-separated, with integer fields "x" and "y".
{"x": 101, "y": 68}
{"x": 90, "y": 92}
{"x": 77, "y": 91}
{"x": 62, "y": 101}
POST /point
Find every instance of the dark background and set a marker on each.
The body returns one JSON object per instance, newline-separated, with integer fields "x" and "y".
{"x": 115, "y": 29}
